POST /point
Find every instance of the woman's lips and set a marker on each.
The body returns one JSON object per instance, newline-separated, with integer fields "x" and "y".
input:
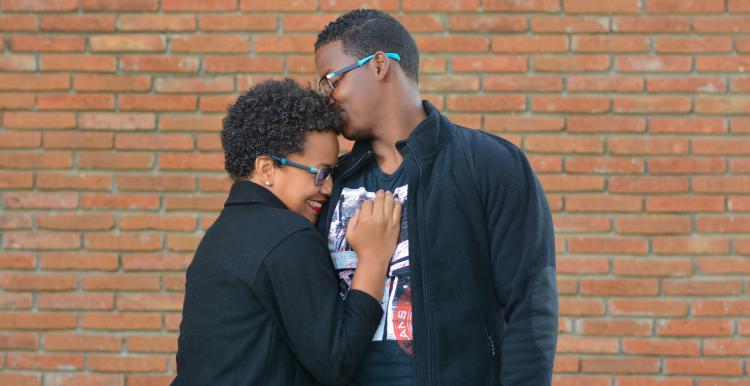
{"x": 314, "y": 206}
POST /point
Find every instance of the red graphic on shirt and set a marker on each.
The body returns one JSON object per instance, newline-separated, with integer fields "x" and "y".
{"x": 402, "y": 326}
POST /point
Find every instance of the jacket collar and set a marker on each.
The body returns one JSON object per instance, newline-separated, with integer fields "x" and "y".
{"x": 247, "y": 192}
{"x": 424, "y": 141}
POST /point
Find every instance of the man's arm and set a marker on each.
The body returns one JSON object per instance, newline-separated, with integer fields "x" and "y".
{"x": 327, "y": 334}
{"x": 522, "y": 248}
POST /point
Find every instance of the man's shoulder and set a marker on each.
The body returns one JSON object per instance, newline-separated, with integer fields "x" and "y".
{"x": 482, "y": 145}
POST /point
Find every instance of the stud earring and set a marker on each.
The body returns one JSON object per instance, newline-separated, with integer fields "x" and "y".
{"x": 268, "y": 183}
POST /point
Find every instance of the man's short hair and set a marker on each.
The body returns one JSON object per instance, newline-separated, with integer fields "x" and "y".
{"x": 366, "y": 31}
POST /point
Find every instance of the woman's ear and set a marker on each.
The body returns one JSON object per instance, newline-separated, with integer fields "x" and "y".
{"x": 264, "y": 170}
{"x": 382, "y": 64}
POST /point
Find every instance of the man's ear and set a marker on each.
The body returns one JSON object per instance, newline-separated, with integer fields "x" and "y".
{"x": 382, "y": 64}
{"x": 264, "y": 170}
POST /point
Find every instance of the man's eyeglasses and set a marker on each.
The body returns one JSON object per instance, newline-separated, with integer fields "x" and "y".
{"x": 321, "y": 175}
{"x": 326, "y": 86}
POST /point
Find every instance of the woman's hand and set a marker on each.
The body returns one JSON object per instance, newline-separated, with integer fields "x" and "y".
{"x": 373, "y": 233}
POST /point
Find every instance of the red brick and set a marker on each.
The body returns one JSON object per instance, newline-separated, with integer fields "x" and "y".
{"x": 283, "y": 43}
{"x": 677, "y": 6}
{"x": 490, "y": 64}
{"x": 19, "y": 341}
{"x": 569, "y": 24}
{"x": 620, "y": 365}
{"x": 120, "y": 5}
{"x": 445, "y": 83}
{"x": 687, "y": 125}
{"x": 120, "y": 201}
{"x": 156, "y": 261}
{"x": 207, "y": 162}
{"x": 648, "y": 146}
{"x": 652, "y": 267}
{"x": 15, "y": 101}
{"x": 139, "y": 102}
{"x": 722, "y": 63}
{"x": 604, "y": 165}
{"x": 117, "y": 121}
{"x": 650, "y": 63}
{"x": 160, "y": 183}
{"x": 182, "y": 243}
{"x": 122, "y": 364}
{"x": 20, "y": 22}
{"x": 15, "y": 301}
{"x": 575, "y": 223}
{"x": 76, "y": 301}
{"x": 604, "y": 84}
{"x": 153, "y": 142}
{"x": 194, "y": 85}
{"x": 220, "y": 183}
{"x": 686, "y": 85}
{"x": 211, "y": 43}
{"x": 123, "y": 242}
{"x": 607, "y": 7}
{"x": 120, "y": 321}
{"x": 85, "y": 379}
{"x": 530, "y": 44}
{"x": 29, "y": 361}
{"x": 570, "y": 344}
{"x": 121, "y": 282}
{"x": 712, "y": 224}
{"x": 78, "y": 63}
{"x": 16, "y": 180}
{"x": 655, "y": 225}
{"x": 453, "y": 44}
{"x": 77, "y": 140}
{"x": 648, "y": 307}
{"x": 565, "y": 183}
{"x": 734, "y": 184}
{"x": 149, "y": 302}
{"x": 515, "y": 83}
{"x": 78, "y": 23}
{"x": 720, "y": 105}
{"x": 569, "y": 104}
{"x": 598, "y": 43}
{"x": 38, "y": 282}
{"x": 243, "y": 22}
{"x": 696, "y": 287}
{"x": 724, "y": 367}
{"x": 522, "y": 124}
{"x": 76, "y": 221}
{"x": 242, "y": 64}
{"x": 609, "y": 245}
{"x": 46, "y": 43}
{"x": 721, "y": 308}
{"x": 571, "y": 63}
{"x": 661, "y": 347}
{"x": 278, "y": 6}
{"x": 26, "y": 160}
{"x": 17, "y": 261}
{"x": 650, "y": 24}
{"x": 648, "y": 184}
{"x": 174, "y": 282}
{"x": 523, "y": 6}
{"x": 683, "y": 45}
{"x": 79, "y": 261}
{"x": 721, "y": 146}
{"x": 199, "y": 6}
{"x": 151, "y": 344}
{"x": 15, "y": 82}
{"x": 18, "y": 63}
{"x": 159, "y": 63}
{"x": 723, "y": 23}
{"x": 215, "y": 104}
{"x": 114, "y": 160}
{"x": 581, "y": 380}
{"x": 37, "y": 321}
{"x": 149, "y": 380}
{"x": 481, "y": 103}
{"x": 211, "y": 142}
{"x": 573, "y": 144}
{"x": 615, "y": 327}
{"x": 586, "y": 203}
{"x": 37, "y": 200}
{"x": 685, "y": 204}
{"x": 193, "y": 202}
{"x": 652, "y": 104}
{"x": 694, "y": 165}
{"x": 487, "y": 24}
{"x": 739, "y": 204}
{"x": 414, "y": 23}
{"x": 581, "y": 307}
{"x": 427, "y": 5}
{"x": 203, "y": 122}
{"x": 144, "y": 222}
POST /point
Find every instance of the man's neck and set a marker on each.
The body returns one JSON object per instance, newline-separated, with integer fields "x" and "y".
{"x": 398, "y": 126}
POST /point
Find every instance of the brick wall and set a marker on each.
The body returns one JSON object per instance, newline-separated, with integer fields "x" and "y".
{"x": 634, "y": 114}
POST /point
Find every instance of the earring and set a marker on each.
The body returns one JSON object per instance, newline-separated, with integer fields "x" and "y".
{"x": 268, "y": 183}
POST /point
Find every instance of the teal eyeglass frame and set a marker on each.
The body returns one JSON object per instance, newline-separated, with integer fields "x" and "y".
{"x": 325, "y": 85}
{"x": 321, "y": 175}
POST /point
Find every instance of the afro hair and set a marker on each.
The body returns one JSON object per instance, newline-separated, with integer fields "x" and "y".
{"x": 273, "y": 118}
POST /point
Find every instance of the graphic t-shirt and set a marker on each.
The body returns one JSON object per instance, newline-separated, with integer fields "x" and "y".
{"x": 388, "y": 360}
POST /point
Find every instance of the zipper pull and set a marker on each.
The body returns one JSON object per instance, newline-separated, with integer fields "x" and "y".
{"x": 491, "y": 341}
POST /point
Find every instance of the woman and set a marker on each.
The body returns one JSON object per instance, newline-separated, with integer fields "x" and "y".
{"x": 261, "y": 298}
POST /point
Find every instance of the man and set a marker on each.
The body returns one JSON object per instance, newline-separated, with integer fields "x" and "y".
{"x": 475, "y": 264}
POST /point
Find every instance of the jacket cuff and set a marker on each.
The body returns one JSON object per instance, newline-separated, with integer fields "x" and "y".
{"x": 368, "y": 306}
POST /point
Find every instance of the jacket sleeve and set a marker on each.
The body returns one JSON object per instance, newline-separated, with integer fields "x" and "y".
{"x": 522, "y": 248}
{"x": 326, "y": 333}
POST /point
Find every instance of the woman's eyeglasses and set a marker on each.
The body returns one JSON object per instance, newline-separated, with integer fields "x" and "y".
{"x": 321, "y": 175}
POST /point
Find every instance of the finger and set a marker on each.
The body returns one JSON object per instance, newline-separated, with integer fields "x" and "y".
{"x": 396, "y": 213}
{"x": 377, "y": 206}
{"x": 366, "y": 208}
{"x": 354, "y": 220}
{"x": 388, "y": 205}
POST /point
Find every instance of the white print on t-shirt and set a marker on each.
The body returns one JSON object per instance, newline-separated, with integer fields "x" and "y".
{"x": 396, "y": 323}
